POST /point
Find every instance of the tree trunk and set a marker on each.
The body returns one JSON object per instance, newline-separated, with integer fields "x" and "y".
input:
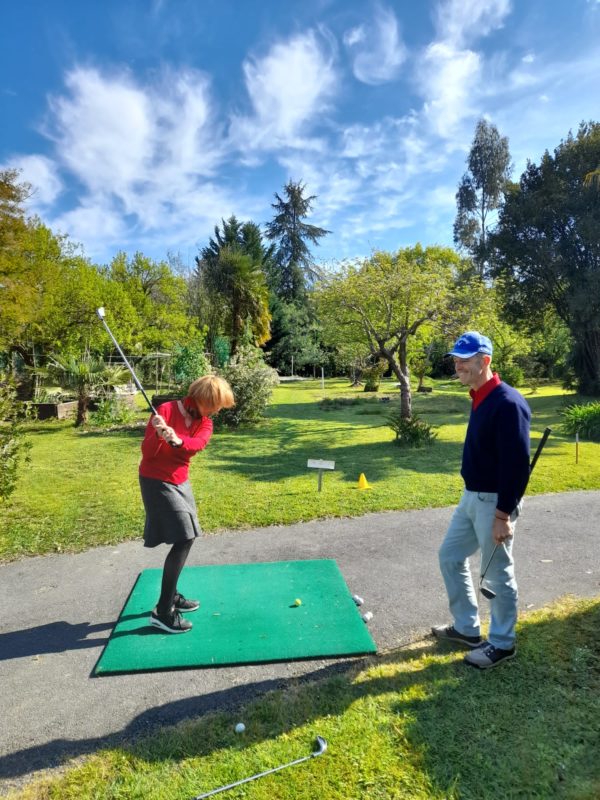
{"x": 589, "y": 362}
{"x": 404, "y": 381}
{"x": 83, "y": 402}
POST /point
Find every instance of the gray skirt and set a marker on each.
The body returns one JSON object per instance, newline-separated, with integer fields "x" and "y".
{"x": 171, "y": 514}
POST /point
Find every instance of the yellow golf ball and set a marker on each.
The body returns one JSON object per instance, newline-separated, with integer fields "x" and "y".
{"x": 297, "y": 602}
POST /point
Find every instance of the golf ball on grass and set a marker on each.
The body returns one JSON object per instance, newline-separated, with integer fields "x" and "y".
{"x": 240, "y": 727}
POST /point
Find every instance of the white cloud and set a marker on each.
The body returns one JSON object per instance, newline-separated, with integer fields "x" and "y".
{"x": 459, "y": 21}
{"x": 528, "y": 59}
{"x": 42, "y": 174}
{"x": 449, "y": 79}
{"x": 378, "y": 50}
{"x": 289, "y": 89}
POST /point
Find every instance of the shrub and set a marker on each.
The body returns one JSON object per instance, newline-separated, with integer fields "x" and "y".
{"x": 190, "y": 362}
{"x": 330, "y": 403}
{"x": 412, "y": 432}
{"x": 512, "y": 374}
{"x": 372, "y": 377}
{"x": 13, "y": 448}
{"x": 252, "y": 382}
{"x": 111, "y": 411}
{"x": 583, "y": 419}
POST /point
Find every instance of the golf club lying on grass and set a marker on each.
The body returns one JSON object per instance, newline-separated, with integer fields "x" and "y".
{"x": 321, "y": 747}
{"x": 489, "y": 593}
{"x": 101, "y": 316}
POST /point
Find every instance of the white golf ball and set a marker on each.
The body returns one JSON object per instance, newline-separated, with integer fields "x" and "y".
{"x": 240, "y": 727}
{"x": 357, "y": 599}
{"x": 368, "y": 616}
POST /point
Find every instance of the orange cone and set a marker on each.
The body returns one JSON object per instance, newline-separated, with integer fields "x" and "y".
{"x": 362, "y": 482}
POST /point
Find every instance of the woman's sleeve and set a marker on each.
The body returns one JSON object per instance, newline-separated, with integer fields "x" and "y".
{"x": 193, "y": 444}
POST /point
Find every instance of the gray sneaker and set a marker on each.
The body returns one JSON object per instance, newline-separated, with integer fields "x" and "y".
{"x": 170, "y": 623}
{"x": 448, "y": 633}
{"x": 488, "y": 656}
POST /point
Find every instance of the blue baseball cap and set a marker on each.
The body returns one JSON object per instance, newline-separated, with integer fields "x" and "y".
{"x": 471, "y": 343}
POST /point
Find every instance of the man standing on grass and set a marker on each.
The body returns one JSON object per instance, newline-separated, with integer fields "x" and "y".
{"x": 495, "y": 469}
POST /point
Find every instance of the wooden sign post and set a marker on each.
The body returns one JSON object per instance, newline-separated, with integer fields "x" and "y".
{"x": 318, "y": 463}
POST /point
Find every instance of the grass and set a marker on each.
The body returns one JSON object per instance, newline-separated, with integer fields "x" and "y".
{"x": 81, "y": 488}
{"x": 413, "y": 724}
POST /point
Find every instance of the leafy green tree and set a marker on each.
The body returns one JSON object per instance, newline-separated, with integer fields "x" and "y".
{"x": 383, "y": 301}
{"x": 14, "y": 448}
{"x": 481, "y": 191}
{"x": 295, "y": 336}
{"x": 548, "y": 247}
{"x": 158, "y": 298}
{"x": 49, "y": 303}
{"x": 294, "y": 267}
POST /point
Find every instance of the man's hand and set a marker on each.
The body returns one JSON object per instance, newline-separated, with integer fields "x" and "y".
{"x": 502, "y": 530}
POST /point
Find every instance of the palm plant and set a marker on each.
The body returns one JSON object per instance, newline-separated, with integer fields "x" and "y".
{"x": 85, "y": 376}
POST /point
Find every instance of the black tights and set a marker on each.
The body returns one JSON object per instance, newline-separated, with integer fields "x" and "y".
{"x": 174, "y": 563}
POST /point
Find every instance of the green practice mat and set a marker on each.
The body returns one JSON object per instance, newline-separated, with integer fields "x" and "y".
{"x": 247, "y": 615}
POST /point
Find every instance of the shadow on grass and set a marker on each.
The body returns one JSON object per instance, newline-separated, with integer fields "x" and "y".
{"x": 378, "y": 460}
{"x": 528, "y": 729}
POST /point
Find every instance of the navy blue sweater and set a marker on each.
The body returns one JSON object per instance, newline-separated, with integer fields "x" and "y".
{"x": 496, "y": 451}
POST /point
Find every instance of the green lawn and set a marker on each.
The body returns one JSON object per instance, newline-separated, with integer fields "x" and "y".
{"x": 81, "y": 489}
{"x": 415, "y": 724}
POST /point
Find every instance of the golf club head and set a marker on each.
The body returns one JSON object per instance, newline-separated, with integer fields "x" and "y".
{"x": 101, "y": 312}
{"x": 321, "y": 745}
{"x": 487, "y": 593}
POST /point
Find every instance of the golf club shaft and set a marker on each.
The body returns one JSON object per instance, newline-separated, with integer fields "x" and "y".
{"x": 129, "y": 367}
{"x": 539, "y": 449}
{"x": 259, "y": 775}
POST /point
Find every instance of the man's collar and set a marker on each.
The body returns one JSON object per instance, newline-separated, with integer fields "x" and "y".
{"x": 479, "y": 395}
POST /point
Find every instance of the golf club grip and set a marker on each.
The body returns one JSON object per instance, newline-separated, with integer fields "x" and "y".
{"x": 540, "y": 447}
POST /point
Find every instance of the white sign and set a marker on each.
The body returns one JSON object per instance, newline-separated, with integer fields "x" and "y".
{"x": 317, "y": 463}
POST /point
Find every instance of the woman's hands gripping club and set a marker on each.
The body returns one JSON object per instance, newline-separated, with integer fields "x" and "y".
{"x": 165, "y": 432}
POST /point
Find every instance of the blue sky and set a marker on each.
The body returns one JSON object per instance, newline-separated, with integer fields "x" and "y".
{"x": 141, "y": 123}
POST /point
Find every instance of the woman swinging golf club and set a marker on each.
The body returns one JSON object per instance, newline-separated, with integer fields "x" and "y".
{"x": 171, "y": 516}
{"x": 495, "y": 468}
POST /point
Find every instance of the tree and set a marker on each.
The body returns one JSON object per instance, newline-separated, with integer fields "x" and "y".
{"x": 241, "y": 284}
{"x": 383, "y": 302}
{"x": 159, "y": 301}
{"x": 548, "y": 247}
{"x": 480, "y": 192}
{"x": 294, "y": 267}
{"x": 295, "y": 339}
{"x": 14, "y": 448}
{"x": 231, "y": 285}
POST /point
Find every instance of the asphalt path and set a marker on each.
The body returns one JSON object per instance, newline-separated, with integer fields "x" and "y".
{"x": 58, "y": 612}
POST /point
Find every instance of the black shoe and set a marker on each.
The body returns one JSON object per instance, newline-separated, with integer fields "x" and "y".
{"x": 170, "y": 623}
{"x": 181, "y": 604}
{"x": 488, "y": 656}
{"x": 448, "y": 633}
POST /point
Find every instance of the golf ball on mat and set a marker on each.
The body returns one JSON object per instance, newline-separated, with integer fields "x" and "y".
{"x": 368, "y": 616}
{"x": 358, "y": 600}
{"x": 240, "y": 727}
{"x": 297, "y": 602}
